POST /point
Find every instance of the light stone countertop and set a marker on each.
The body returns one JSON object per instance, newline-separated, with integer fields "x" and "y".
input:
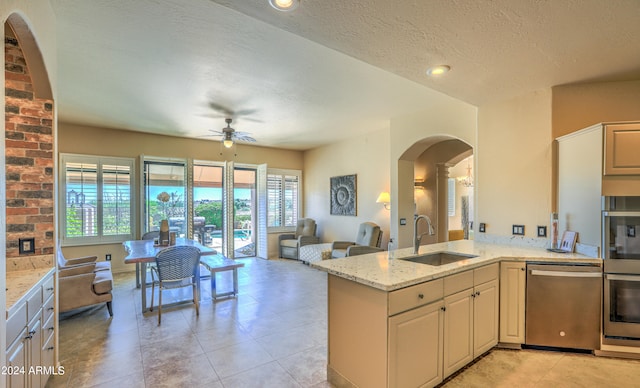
{"x": 388, "y": 271}
{"x": 20, "y": 283}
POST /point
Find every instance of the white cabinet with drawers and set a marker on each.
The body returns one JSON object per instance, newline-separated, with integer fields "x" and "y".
{"x": 30, "y": 337}
{"x": 414, "y": 336}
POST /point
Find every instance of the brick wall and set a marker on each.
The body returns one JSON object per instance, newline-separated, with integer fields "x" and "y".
{"x": 29, "y": 157}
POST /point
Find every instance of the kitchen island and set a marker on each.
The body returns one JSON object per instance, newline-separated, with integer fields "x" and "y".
{"x": 394, "y": 323}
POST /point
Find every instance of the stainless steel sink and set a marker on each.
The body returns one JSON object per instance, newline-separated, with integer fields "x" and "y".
{"x": 439, "y": 258}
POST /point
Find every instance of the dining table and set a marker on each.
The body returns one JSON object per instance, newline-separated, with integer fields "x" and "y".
{"x": 142, "y": 252}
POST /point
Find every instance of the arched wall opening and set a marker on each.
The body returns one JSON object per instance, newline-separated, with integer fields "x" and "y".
{"x": 423, "y": 174}
{"x": 29, "y": 146}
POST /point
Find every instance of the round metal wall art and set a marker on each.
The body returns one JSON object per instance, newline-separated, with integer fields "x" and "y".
{"x": 343, "y": 195}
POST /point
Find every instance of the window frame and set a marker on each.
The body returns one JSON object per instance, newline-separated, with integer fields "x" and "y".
{"x": 99, "y": 161}
{"x": 283, "y": 173}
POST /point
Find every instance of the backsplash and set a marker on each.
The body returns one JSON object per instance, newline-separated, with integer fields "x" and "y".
{"x": 29, "y": 159}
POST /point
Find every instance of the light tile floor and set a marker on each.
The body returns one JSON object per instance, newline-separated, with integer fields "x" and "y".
{"x": 274, "y": 334}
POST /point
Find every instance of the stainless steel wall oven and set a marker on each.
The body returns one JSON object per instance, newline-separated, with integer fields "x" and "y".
{"x": 621, "y": 248}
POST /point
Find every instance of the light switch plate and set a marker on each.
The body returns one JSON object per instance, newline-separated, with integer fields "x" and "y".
{"x": 482, "y": 228}
{"x": 517, "y": 230}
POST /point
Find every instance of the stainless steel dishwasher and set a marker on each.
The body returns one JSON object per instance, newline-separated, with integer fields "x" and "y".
{"x": 563, "y": 307}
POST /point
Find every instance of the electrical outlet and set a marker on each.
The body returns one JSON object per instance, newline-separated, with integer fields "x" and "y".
{"x": 482, "y": 227}
{"x": 542, "y": 231}
{"x": 518, "y": 230}
{"x": 631, "y": 231}
{"x": 108, "y": 257}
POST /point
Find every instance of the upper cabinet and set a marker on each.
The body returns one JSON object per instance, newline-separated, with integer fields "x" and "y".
{"x": 621, "y": 149}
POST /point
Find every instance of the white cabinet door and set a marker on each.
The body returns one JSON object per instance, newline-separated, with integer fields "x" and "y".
{"x": 512, "y": 298}
{"x": 17, "y": 362}
{"x": 415, "y": 347}
{"x": 458, "y": 331}
{"x": 485, "y": 317}
{"x": 34, "y": 352}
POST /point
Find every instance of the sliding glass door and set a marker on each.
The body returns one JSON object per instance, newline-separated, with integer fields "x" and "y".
{"x": 165, "y": 196}
{"x": 207, "y": 204}
{"x": 244, "y": 211}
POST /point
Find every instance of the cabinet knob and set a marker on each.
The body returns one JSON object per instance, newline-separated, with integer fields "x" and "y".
{"x": 50, "y": 309}
{"x": 443, "y": 308}
{"x": 477, "y": 293}
{"x": 50, "y": 289}
{"x": 421, "y": 296}
{"x": 51, "y": 328}
{"x": 50, "y": 348}
{"x": 522, "y": 269}
{"x": 32, "y": 332}
{"x": 28, "y": 337}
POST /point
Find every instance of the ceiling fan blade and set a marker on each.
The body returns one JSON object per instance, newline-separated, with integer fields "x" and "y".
{"x": 220, "y": 108}
{"x": 245, "y": 138}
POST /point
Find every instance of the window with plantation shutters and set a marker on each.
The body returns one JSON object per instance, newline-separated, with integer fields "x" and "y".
{"x": 283, "y": 198}
{"x": 96, "y": 199}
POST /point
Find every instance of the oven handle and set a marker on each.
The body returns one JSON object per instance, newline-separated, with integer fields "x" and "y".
{"x": 630, "y": 278}
{"x": 564, "y": 274}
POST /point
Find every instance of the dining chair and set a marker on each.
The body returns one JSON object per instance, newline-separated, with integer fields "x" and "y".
{"x": 176, "y": 267}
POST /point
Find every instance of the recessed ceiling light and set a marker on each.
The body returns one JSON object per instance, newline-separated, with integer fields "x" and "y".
{"x": 284, "y": 5}
{"x": 438, "y": 70}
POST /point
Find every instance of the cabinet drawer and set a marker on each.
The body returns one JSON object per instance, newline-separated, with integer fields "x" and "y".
{"x": 34, "y": 304}
{"x": 47, "y": 287}
{"x": 47, "y": 354}
{"x": 47, "y": 308}
{"x": 48, "y": 328}
{"x": 16, "y": 323}
{"x": 486, "y": 274}
{"x": 458, "y": 282}
{"x": 411, "y": 297}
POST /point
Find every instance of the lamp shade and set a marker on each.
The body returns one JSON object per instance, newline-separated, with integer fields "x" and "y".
{"x": 384, "y": 197}
{"x": 228, "y": 143}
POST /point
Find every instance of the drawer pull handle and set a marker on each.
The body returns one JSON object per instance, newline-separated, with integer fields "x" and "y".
{"x": 32, "y": 332}
{"x": 443, "y": 308}
{"x": 49, "y": 288}
{"x": 50, "y": 309}
{"x": 50, "y": 348}
{"x": 51, "y": 328}
{"x": 421, "y": 296}
{"x": 477, "y": 293}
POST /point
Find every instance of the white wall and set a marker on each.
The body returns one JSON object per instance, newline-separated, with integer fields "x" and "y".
{"x": 514, "y": 165}
{"x": 368, "y": 157}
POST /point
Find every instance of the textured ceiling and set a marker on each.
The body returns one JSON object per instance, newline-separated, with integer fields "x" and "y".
{"x": 329, "y": 70}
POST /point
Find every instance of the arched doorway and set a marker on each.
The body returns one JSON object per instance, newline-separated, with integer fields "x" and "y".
{"x": 30, "y": 139}
{"x": 424, "y": 185}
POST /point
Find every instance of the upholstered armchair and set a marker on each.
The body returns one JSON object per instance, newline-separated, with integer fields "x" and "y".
{"x": 83, "y": 285}
{"x": 290, "y": 243}
{"x": 64, "y": 263}
{"x": 367, "y": 241}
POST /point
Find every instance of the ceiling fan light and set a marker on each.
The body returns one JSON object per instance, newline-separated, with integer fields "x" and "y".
{"x": 227, "y": 143}
{"x": 284, "y": 5}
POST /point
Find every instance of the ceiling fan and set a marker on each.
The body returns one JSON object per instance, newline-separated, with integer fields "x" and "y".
{"x": 230, "y": 135}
